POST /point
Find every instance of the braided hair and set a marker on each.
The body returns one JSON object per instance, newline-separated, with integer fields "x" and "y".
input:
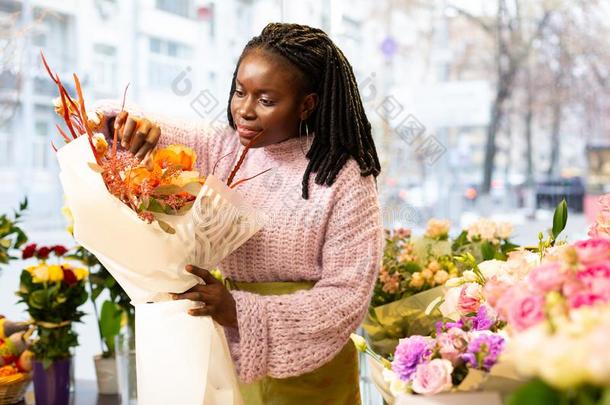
{"x": 341, "y": 127}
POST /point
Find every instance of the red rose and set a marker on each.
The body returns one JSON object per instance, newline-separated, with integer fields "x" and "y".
{"x": 29, "y": 251}
{"x": 69, "y": 276}
{"x": 59, "y": 250}
{"x": 43, "y": 253}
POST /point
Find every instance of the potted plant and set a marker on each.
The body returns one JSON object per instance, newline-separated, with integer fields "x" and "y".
{"x": 11, "y": 235}
{"x": 116, "y": 313}
{"x": 52, "y": 293}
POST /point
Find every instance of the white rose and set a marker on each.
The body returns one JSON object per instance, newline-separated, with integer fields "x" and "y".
{"x": 491, "y": 268}
{"x": 449, "y": 306}
{"x": 504, "y": 229}
{"x": 469, "y": 276}
{"x": 397, "y": 386}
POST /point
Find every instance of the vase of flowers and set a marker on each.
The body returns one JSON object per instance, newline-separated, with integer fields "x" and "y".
{"x": 52, "y": 292}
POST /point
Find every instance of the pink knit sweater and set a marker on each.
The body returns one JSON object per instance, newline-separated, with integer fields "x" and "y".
{"x": 334, "y": 239}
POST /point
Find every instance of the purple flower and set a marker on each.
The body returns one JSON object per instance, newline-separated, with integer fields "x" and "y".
{"x": 484, "y": 319}
{"x": 409, "y": 353}
{"x": 483, "y": 351}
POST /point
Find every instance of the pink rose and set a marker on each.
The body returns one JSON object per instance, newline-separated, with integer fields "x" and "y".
{"x": 593, "y": 250}
{"x": 470, "y": 298}
{"x": 595, "y": 279}
{"x": 524, "y": 309}
{"x": 452, "y": 344}
{"x": 595, "y": 271}
{"x": 585, "y": 299}
{"x": 547, "y": 277}
{"x": 494, "y": 288}
{"x": 433, "y": 377}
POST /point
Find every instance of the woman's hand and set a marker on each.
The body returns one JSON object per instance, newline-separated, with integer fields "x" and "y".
{"x": 216, "y": 300}
{"x": 138, "y": 135}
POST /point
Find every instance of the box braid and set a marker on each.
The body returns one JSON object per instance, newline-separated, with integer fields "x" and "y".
{"x": 340, "y": 125}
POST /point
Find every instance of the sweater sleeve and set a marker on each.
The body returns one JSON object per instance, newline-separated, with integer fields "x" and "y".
{"x": 210, "y": 141}
{"x": 288, "y": 335}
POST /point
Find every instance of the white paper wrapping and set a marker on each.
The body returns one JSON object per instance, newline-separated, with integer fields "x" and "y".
{"x": 149, "y": 263}
{"x": 199, "y": 375}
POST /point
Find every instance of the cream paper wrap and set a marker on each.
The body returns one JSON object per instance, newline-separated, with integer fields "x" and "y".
{"x": 180, "y": 358}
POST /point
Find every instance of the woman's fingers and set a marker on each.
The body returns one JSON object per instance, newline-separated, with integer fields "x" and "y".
{"x": 202, "y": 311}
{"x": 192, "y": 295}
{"x": 120, "y": 119}
{"x": 151, "y": 141}
{"x": 128, "y": 131}
{"x": 205, "y": 275}
{"x": 140, "y": 136}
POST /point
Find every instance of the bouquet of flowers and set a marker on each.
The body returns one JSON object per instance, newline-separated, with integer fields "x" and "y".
{"x": 442, "y": 362}
{"x": 559, "y": 321}
{"x": 145, "y": 222}
{"x": 412, "y": 272}
{"x": 52, "y": 292}
{"x": 485, "y": 239}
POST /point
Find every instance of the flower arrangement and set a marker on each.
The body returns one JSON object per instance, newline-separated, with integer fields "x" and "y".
{"x": 485, "y": 239}
{"x": 433, "y": 364}
{"x": 412, "y": 265}
{"x": 411, "y": 276}
{"x": 12, "y": 237}
{"x": 52, "y": 293}
{"x": 165, "y": 183}
{"x": 559, "y": 322}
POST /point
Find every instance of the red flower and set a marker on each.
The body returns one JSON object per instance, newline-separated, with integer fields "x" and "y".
{"x": 59, "y": 250}
{"x": 29, "y": 251}
{"x": 43, "y": 253}
{"x": 69, "y": 276}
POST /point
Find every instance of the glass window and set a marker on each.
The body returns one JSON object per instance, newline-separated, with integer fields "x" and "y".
{"x": 105, "y": 67}
{"x": 178, "y": 7}
{"x": 40, "y": 144}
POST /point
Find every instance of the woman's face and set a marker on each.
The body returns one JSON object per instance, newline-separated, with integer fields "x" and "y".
{"x": 269, "y": 98}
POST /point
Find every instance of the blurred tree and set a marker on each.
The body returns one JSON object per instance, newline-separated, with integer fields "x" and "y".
{"x": 513, "y": 30}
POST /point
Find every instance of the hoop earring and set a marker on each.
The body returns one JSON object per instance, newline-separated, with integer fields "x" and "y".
{"x": 306, "y": 140}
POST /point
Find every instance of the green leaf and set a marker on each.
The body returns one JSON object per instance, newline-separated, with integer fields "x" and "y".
{"x": 535, "y": 392}
{"x": 5, "y": 243}
{"x": 24, "y": 204}
{"x": 560, "y": 218}
{"x": 155, "y": 205}
{"x": 461, "y": 240}
{"x": 110, "y": 323}
{"x": 144, "y": 204}
{"x": 38, "y": 299}
{"x": 21, "y": 239}
{"x": 192, "y": 188}
{"x": 167, "y": 189}
{"x": 166, "y": 227}
{"x": 488, "y": 250}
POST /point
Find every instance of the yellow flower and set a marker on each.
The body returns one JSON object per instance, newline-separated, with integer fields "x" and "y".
{"x": 40, "y": 273}
{"x": 80, "y": 273}
{"x": 55, "y": 272}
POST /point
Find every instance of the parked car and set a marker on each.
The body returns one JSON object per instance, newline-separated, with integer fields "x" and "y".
{"x": 550, "y": 192}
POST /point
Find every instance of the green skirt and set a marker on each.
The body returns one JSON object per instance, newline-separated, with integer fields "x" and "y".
{"x": 334, "y": 383}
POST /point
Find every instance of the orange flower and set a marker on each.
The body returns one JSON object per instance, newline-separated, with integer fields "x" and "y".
{"x": 173, "y": 155}
{"x": 139, "y": 175}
